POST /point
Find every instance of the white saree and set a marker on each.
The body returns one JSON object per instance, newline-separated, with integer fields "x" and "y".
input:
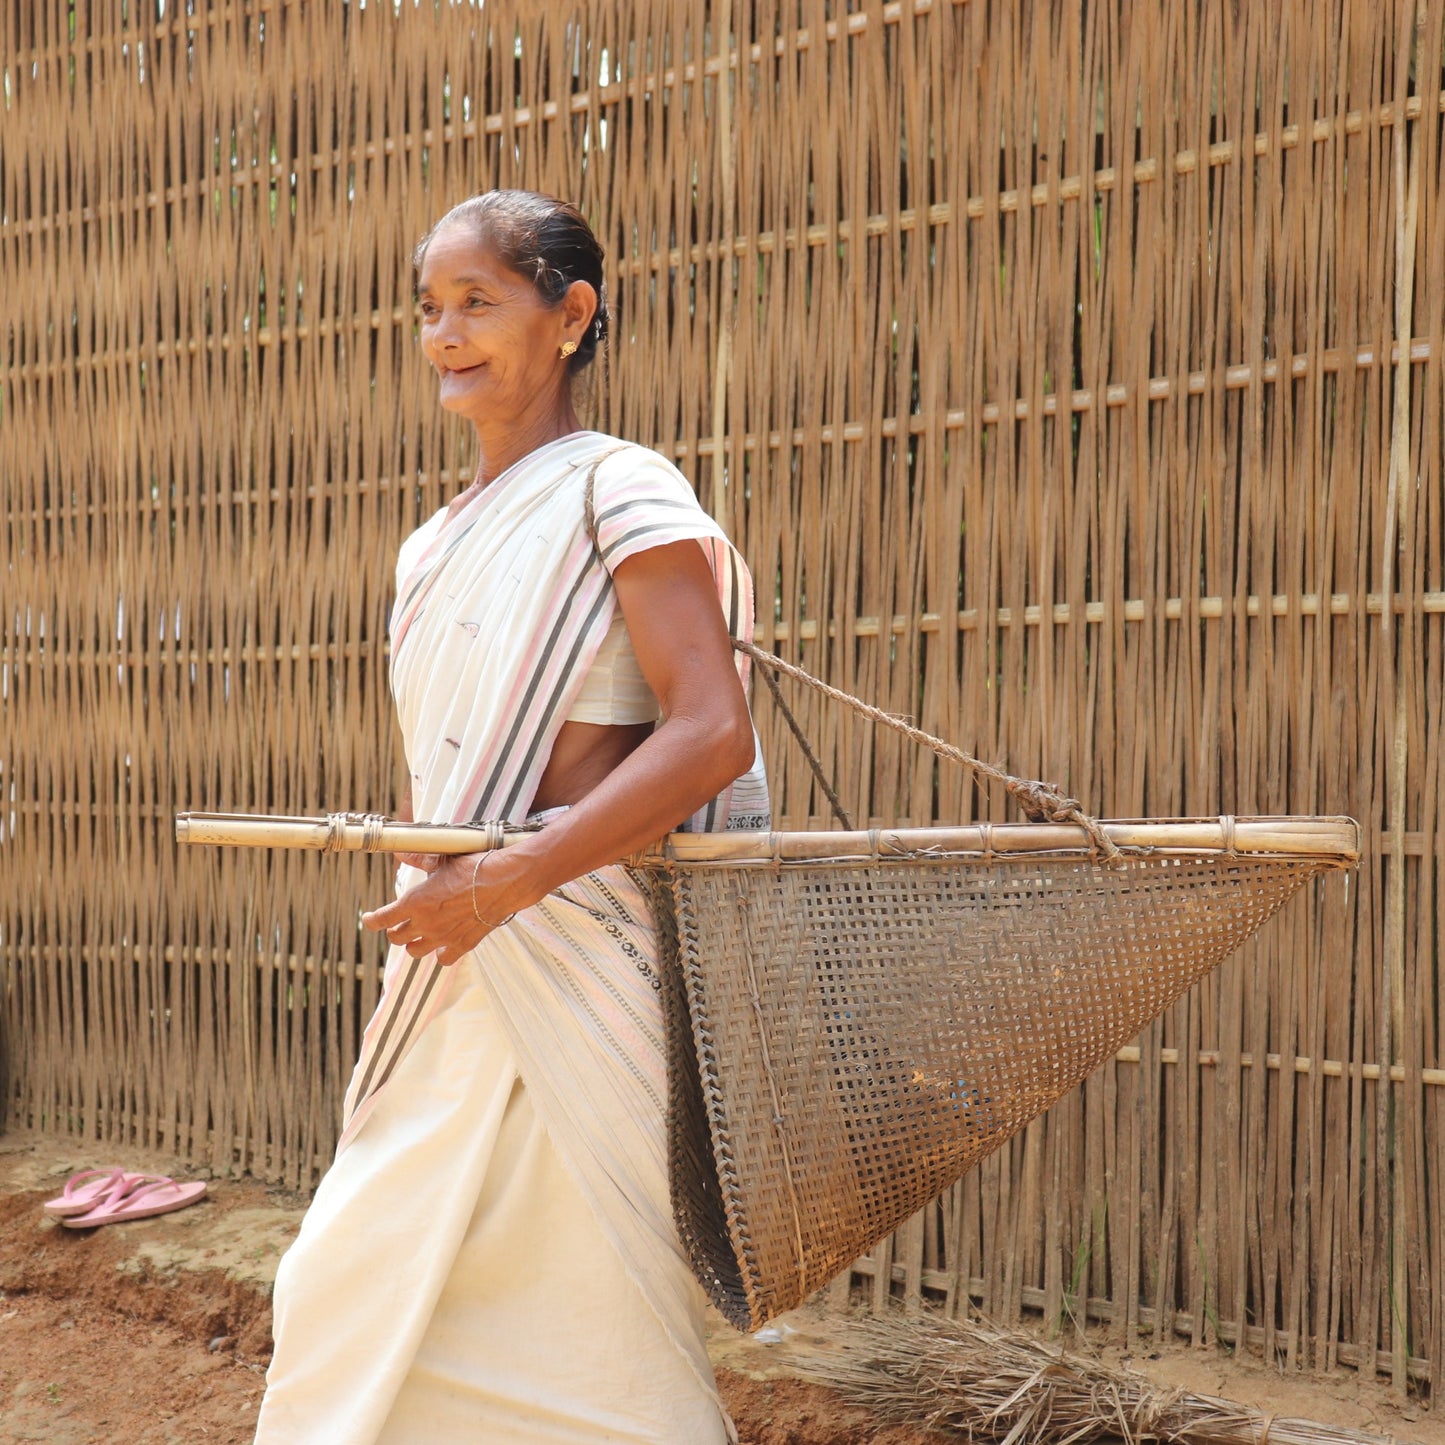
{"x": 492, "y": 1256}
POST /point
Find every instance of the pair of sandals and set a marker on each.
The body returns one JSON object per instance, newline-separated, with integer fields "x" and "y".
{"x": 109, "y": 1196}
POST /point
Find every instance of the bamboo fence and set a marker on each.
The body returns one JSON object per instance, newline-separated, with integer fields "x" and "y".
{"x": 1071, "y": 376}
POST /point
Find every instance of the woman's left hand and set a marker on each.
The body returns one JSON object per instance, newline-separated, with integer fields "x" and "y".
{"x": 438, "y": 915}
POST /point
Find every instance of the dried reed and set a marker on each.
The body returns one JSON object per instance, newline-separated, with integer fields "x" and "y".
{"x": 986, "y": 1383}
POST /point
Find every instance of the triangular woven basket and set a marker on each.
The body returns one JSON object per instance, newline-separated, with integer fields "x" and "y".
{"x": 856, "y": 1019}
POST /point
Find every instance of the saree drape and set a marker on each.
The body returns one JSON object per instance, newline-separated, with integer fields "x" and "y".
{"x": 500, "y": 611}
{"x": 501, "y": 608}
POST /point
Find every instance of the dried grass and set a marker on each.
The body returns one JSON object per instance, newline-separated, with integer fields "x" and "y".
{"x": 986, "y": 1383}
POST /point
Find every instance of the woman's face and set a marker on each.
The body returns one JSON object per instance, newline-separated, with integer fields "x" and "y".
{"x": 494, "y": 342}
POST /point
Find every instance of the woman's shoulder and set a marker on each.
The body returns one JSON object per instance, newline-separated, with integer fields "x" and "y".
{"x": 426, "y": 529}
{"x": 628, "y": 470}
{"x": 641, "y": 500}
{"x": 417, "y": 541}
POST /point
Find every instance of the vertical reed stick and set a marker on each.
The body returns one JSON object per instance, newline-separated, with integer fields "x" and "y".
{"x": 1397, "y": 528}
{"x": 726, "y": 299}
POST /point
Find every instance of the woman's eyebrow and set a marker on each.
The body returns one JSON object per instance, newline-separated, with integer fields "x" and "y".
{"x": 458, "y": 281}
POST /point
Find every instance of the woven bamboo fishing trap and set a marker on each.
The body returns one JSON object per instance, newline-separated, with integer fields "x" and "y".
{"x": 856, "y": 1019}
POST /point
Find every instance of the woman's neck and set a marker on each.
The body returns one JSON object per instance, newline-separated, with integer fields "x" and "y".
{"x": 501, "y": 448}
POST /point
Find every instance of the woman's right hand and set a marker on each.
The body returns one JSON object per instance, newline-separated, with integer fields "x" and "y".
{"x": 451, "y": 910}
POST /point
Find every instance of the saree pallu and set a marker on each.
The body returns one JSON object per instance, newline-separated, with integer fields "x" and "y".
{"x": 535, "y": 1066}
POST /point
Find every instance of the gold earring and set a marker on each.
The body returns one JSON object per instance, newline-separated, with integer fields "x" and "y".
{"x": 568, "y": 347}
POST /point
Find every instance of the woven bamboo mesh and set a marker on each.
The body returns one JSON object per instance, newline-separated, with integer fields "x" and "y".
{"x": 1070, "y": 376}
{"x": 849, "y": 1036}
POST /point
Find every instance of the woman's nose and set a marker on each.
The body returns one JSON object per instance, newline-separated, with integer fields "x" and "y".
{"x": 444, "y": 329}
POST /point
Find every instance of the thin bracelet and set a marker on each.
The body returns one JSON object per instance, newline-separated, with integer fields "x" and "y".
{"x": 485, "y": 922}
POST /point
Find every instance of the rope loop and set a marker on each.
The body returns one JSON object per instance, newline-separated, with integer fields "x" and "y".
{"x": 1040, "y": 801}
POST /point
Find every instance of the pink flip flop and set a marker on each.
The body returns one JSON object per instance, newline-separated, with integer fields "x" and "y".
{"x": 159, "y": 1196}
{"x": 84, "y": 1191}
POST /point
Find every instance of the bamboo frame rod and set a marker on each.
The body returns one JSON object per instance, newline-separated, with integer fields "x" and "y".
{"x": 1276, "y": 1063}
{"x": 1336, "y": 840}
{"x": 1175, "y": 609}
{"x": 1070, "y": 188}
{"x": 1399, "y": 513}
{"x": 1238, "y": 376}
{"x": 1136, "y": 609}
{"x": 851, "y": 25}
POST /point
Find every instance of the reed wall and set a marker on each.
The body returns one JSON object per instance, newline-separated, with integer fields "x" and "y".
{"x": 1071, "y": 376}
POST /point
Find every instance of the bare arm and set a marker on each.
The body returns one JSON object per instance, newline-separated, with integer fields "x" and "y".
{"x": 705, "y": 741}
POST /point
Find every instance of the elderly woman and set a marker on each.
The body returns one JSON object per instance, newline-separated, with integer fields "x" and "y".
{"x": 492, "y": 1255}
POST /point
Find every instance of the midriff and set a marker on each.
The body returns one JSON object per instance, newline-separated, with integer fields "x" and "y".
{"x": 582, "y": 756}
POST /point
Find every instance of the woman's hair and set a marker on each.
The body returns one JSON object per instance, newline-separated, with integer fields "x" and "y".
{"x": 543, "y": 239}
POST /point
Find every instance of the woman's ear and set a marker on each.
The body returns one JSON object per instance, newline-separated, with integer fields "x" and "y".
{"x": 579, "y": 306}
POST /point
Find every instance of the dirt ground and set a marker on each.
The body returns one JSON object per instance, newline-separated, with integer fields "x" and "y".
{"x": 157, "y": 1332}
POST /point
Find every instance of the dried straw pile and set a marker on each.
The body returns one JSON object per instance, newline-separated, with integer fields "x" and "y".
{"x": 984, "y": 1383}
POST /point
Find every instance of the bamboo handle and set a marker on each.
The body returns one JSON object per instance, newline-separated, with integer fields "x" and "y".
{"x": 340, "y": 833}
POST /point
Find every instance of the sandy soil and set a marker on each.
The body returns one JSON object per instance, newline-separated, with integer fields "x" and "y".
{"x": 157, "y": 1332}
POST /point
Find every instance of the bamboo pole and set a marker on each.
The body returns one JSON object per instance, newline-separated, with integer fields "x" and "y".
{"x": 1398, "y": 514}
{"x": 1335, "y": 840}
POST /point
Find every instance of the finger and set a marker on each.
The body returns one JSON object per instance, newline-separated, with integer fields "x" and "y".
{"x": 404, "y": 905}
{"x": 427, "y": 862}
{"x": 387, "y": 916}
